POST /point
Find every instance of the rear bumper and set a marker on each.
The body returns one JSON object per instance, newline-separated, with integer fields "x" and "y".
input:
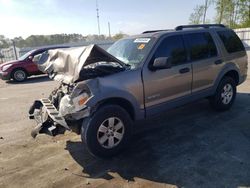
{"x": 47, "y": 117}
{"x": 5, "y": 75}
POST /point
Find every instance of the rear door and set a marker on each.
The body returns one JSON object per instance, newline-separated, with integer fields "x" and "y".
{"x": 164, "y": 85}
{"x": 205, "y": 57}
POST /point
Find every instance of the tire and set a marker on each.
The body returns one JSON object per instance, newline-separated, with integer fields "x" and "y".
{"x": 225, "y": 95}
{"x": 19, "y": 75}
{"x": 101, "y": 141}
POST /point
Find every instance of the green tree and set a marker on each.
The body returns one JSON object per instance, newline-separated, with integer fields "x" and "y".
{"x": 244, "y": 8}
{"x": 234, "y": 13}
{"x": 119, "y": 35}
{"x": 4, "y": 42}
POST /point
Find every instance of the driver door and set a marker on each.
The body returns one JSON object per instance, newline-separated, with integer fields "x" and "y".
{"x": 165, "y": 85}
{"x": 31, "y": 64}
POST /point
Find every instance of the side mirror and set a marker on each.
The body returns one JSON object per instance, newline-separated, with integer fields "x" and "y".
{"x": 162, "y": 63}
{"x": 30, "y": 57}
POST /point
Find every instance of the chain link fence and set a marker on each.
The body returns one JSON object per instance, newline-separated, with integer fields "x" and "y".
{"x": 9, "y": 54}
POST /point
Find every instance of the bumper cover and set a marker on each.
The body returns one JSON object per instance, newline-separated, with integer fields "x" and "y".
{"x": 47, "y": 117}
{"x": 4, "y": 75}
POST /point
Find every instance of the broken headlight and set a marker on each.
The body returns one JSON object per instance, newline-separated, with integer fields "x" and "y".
{"x": 70, "y": 105}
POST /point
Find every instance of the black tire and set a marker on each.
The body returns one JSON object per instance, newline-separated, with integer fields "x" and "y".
{"x": 19, "y": 75}
{"x": 90, "y": 131}
{"x": 220, "y": 103}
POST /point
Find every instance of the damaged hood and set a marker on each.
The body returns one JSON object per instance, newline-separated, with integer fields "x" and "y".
{"x": 66, "y": 64}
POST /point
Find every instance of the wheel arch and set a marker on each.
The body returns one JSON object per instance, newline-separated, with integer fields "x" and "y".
{"x": 124, "y": 103}
{"x": 18, "y": 68}
{"x": 230, "y": 70}
{"x": 233, "y": 74}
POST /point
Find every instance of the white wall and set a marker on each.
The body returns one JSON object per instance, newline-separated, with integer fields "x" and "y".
{"x": 244, "y": 35}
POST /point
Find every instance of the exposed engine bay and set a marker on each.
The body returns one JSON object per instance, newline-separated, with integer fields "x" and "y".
{"x": 66, "y": 105}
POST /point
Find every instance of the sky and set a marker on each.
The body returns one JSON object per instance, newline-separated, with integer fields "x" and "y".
{"x": 44, "y": 17}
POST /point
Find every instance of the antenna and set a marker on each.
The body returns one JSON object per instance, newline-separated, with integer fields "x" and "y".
{"x": 97, "y": 15}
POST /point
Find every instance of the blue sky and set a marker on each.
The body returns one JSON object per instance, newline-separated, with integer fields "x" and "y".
{"x": 26, "y": 17}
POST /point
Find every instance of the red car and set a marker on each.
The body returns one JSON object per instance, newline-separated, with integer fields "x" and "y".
{"x": 24, "y": 67}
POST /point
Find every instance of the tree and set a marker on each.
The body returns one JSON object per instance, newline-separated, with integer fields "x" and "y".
{"x": 244, "y": 9}
{"x": 119, "y": 35}
{"x": 233, "y": 13}
{"x": 196, "y": 16}
{"x": 4, "y": 42}
{"x": 206, "y": 6}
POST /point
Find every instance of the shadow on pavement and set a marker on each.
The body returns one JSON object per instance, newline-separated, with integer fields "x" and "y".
{"x": 192, "y": 146}
{"x": 31, "y": 80}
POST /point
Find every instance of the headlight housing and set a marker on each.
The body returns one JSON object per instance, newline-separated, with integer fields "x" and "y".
{"x": 69, "y": 105}
{"x": 6, "y": 67}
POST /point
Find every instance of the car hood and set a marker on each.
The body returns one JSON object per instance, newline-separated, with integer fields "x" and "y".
{"x": 66, "y": 64}
{"x": 10, "y": 62}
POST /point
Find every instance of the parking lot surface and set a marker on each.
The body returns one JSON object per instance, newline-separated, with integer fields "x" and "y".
{"x": 191, "y": 146}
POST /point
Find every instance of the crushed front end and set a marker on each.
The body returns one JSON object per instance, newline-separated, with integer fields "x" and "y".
{"x": 60, "y": 111}
{"x": 66, "y": 107}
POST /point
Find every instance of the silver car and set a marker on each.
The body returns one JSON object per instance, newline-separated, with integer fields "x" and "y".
{"x": 103, "y": 94}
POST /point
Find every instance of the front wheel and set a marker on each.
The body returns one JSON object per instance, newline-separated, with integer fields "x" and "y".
{"x": 225, "y": 94}
{"x": 107, "y": 132}
{"x": 19, "y": 75}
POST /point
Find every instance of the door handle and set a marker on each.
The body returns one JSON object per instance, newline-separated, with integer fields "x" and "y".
{"x": 184, "y": 70}
{"x": 218, "y": 62}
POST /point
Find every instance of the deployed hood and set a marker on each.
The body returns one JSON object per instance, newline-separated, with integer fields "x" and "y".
{"x": 66, "y": 64}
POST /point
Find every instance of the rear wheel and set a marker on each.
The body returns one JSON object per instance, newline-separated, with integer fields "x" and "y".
{"x": 19, "y": 75}
{"x": 225, "y": 94}
{"x": 107, "y": 132}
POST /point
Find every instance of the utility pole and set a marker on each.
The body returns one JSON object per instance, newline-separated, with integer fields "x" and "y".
{"x": 109, "y": 30}
{"x": 14, "y": 47}
{"x": 205, "y": 11}
{"x": 98, "y": 17}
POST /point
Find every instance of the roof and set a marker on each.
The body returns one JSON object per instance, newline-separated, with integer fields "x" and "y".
{"x": 181, "y": 28}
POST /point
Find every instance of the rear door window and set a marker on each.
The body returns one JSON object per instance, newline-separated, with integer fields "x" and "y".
{"x": 201, "y": 46}
{"x": 231, "y": 41}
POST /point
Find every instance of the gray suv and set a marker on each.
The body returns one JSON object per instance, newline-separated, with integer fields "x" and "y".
{"x": 103, "y": 94}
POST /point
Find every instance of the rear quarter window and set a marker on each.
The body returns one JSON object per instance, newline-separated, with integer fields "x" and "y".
{"x": 231, "y": 41}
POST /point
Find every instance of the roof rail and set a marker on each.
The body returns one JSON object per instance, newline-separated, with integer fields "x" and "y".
{"x": 206, "y": 26}
{"x": 154, "y": 31}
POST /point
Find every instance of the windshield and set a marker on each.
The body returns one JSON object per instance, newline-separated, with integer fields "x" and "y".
{"x": 131, "y": 51}
{"x": 23, "y": 57}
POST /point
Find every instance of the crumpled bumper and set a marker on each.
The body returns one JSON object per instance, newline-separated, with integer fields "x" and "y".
{"x": 48, "y": 119}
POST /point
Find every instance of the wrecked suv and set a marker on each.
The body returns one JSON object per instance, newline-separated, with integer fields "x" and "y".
{"x": 103, "y": 94}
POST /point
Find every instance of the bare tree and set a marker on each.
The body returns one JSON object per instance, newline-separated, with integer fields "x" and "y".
{"x": 196, "y": 16}
{"x": 206, "y": 6}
